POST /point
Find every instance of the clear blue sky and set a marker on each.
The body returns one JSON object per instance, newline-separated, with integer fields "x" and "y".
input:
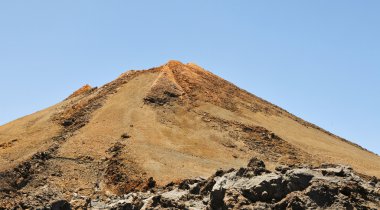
{"x": 318, "y": 59}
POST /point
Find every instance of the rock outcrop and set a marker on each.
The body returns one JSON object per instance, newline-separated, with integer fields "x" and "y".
{"x": 253, "y": 187}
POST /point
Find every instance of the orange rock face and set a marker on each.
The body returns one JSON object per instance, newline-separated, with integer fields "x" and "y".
{"x": 81, "y": 90}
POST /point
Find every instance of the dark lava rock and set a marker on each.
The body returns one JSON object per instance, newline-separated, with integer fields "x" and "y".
{"x": 256, "y": 163}
{"x": 323, "y": 195}
{"x": 125, "y": 136}
{"x": 151, "y": 183}
{"x": 68, "y": 122}
{"x": 60, "y": 205}
{"x": 216, "y": 199}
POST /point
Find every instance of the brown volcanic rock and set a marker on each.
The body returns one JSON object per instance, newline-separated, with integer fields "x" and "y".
{"x": 182, "y": 122}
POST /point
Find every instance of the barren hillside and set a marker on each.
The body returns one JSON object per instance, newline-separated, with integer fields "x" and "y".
{"x": 173, "y": 122}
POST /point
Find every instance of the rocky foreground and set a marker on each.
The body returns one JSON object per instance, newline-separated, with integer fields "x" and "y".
{"x": 254, "y": 187}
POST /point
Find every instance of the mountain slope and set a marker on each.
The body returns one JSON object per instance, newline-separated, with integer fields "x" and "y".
{"x": 172, "y": 122}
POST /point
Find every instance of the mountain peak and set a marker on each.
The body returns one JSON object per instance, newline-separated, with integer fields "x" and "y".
{"x": 178, "y": 65}
{"x": 174, "y": 63}
{"x": 173, "y": 122}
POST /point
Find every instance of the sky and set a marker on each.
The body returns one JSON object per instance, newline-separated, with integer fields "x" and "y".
{"x": 320, "y": 60}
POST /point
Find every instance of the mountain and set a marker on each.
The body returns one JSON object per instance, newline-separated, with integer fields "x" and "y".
{"x": 161, "y": 125}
